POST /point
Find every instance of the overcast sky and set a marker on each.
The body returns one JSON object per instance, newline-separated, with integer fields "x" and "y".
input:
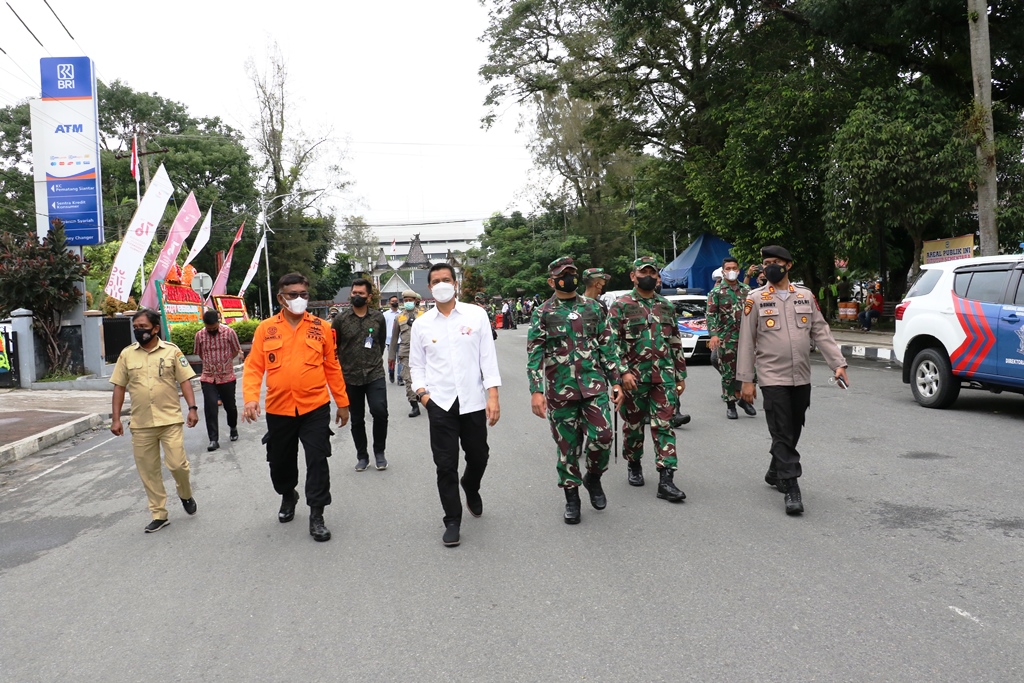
{"x": 396, "y": 80}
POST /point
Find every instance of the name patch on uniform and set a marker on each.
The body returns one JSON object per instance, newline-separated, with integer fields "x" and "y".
{"x": 748, "y": 305}
{"x": 767, "y": 304}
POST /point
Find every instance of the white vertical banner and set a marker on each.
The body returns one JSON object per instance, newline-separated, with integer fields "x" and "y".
{"x": 201, "y": 238}
{"x": 253, "y": 265}
{"x": 140, "y": 235}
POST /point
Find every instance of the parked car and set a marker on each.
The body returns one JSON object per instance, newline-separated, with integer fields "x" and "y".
{"x": 692, "y": 312}
{"x": 962, "y": 325}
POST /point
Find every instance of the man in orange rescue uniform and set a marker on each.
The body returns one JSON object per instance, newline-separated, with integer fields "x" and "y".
{"x": 296, "y": 352}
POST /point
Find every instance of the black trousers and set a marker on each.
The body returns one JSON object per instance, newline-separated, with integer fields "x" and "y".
{"x": 376, "y": 396}
{"x": 447, "y": 430}
{"x": 226, "y": 394}
{"x": 284, "y": 432}
{"x": 784, "y": 410}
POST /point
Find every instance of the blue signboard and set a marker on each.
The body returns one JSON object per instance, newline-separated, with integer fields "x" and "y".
{"x": 65, "y": 134}
{"x": 66, "y": 78}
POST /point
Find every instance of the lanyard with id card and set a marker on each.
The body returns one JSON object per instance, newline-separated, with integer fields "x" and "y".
{"x": 368, "y": 342}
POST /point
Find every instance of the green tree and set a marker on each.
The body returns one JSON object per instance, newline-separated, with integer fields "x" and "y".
{"x": 360, "y": 242}
{"x": 900, "y": 166}
{"x": 17, "y": 201}
{"x": 43, "y": 277}
{"x": 334, "y": 276}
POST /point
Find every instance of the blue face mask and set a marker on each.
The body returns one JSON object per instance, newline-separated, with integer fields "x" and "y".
{"x": 409, "y": 305}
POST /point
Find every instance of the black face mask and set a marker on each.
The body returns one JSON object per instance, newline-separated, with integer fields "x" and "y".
{"x": 648, "y": 283}
{"x": 567, "y": 283}
{"x": 358, "y": 301}
{"x": 143, "y": 336}
{"x": 774, "y": 272}
{"x": 394, "y": 305}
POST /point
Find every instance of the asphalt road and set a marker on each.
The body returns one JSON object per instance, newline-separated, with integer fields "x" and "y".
{"x": 907, "y": 565}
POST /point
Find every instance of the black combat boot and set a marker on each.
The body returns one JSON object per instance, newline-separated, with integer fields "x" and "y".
{"x": 415, "y": 412}
{"x": 316, "y": 524}
{"x": 679, "y": 419}
{"x": 747, "y": 408}
{"x": 635, "y": 474}
{"x": 667, "y": 488}
{"x": 794, "y": 503}
{"x": 572, "y": 505}
{"x": 592, "y": 482}
{"x": 287, "y": 511}
{"x": 771, "y": 477}
{"x": 730, "y": 410}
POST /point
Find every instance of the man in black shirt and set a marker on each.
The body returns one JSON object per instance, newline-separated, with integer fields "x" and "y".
{"x": 361, "y": 334}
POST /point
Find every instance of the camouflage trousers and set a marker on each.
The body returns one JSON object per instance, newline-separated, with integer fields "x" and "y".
{"x": 571, "y": 422}
{"x": 727, "y": 368}
{"x": 658, "y": 401}
{"x": 410, "y": 390}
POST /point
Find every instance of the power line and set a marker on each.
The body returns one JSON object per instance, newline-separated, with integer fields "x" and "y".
{"x": 61, "y": 23}
{"x": 28, "y": 29}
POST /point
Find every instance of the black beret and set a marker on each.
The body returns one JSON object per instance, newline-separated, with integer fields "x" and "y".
{"x": 775, "y": 251}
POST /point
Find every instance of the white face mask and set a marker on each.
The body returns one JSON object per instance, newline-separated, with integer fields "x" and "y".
{"x": 443, "y": 292}
{"x": 732, "y": 275}
{"x": 297, "y": 306}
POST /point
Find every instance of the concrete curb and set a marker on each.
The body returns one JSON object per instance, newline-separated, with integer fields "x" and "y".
{"x": 54, "y": 435}
{"x": 80, "y": 384}
{"x": 867, "y": 352}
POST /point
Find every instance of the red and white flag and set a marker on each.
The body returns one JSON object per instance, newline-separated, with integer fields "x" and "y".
{"x": 220, "y": 285}
{"x": 135, "y": 157}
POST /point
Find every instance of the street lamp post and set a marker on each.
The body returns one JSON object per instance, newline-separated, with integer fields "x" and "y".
{"x": 266, "y": 240}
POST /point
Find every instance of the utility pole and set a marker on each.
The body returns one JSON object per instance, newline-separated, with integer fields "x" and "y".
{"x": 983, "y": 129}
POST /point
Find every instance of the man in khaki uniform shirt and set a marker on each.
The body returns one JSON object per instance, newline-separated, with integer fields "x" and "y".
{"x": 151, "y": 370}
{"x": 776, "y": 328}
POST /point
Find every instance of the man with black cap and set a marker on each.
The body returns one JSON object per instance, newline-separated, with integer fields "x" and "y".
{"x": 594, "y": 282}
{"x": 779, "y": 321}
{"x": 644, "y": 328}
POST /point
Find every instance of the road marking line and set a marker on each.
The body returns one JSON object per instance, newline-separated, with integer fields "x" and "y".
{"x": 58, "y": 466}
{"x": 966, "y": 615}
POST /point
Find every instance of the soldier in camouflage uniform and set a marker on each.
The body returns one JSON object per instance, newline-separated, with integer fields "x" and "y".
{"x": 594, "y": 282}
{"x": 570, "y": 347}
{"x": 400, "y": 336}
{"x": 480, "y": 299}
{"x": 644, "y": 328}
{"x": 725, "y": 306}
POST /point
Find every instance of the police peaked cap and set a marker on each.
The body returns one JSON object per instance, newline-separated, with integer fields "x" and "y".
{"x": 775, "y": 251}
{"x": 411, "y": 294}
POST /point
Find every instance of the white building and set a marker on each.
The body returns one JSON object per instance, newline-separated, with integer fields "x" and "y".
{"x": 436, "y": 239}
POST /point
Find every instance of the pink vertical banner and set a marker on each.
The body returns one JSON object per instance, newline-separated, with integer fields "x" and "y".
{"x": 220, "y": 285}
{"x": 186, "y": 219}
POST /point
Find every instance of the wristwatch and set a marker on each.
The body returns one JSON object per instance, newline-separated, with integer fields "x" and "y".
{"x": 421, "y": 393}
{"x": 193, "y": 407}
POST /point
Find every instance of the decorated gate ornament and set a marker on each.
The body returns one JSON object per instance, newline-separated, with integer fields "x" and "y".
{"x": 179, "y": 303}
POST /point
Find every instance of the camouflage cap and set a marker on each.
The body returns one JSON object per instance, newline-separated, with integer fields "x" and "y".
{"x": 556, "y": 267}
{"x": 594, "y": 273}
{"x": 645, "y": 262}
{"x": 479, "y": 296}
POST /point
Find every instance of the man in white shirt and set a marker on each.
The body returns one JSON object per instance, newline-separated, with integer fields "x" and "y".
{"x": 389, "y": 319}
{"x": 454, "y": 369}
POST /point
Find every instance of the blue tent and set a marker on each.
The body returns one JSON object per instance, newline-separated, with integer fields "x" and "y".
{"x": 693, "y": 268}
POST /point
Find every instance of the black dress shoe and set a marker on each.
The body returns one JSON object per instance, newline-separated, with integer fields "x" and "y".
{"x": 287, "y": 511}
{"x": 747, "y": 408}
{"x": 317, "y": 530}
{"x": 794, "y": 502}
{"x": 572, "y": 505}
{"x": 667, "y": 489}
{"x": 730, "y": 410}
{"x": 592, "y": 482}
{"x": 189, "y": 504}
{"x": 474, "y": 502}
{"x": 635, "y": 474}
{"x": 156, "y": 525}
{"x": 214, "y": 445}
{"x": 234, "y": 435}
{"x": 451, "y": 534}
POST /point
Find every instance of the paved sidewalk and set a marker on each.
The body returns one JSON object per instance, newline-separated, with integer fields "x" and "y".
{"x": 31, "y": 420}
